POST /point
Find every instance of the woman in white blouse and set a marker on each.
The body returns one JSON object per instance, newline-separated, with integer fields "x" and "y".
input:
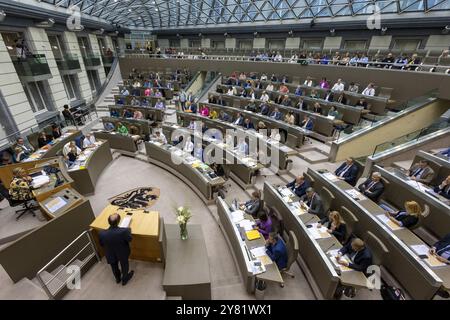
{"x": 264, "y": 97}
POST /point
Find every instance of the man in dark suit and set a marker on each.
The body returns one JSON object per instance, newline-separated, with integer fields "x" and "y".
{"x": 254, "y": 205}
{"x": 314, "y": 202}
{"x": 276, "y": 250}
{"x": 307, "y": 123}
{"x": 225, "y": 116}
{"x": 116, "y": 242}
{"x": 239, "y": 119}
{"x": 248, "y": 124}
{"x": 360, "y": 256}
{"x": 264, "y": 109}
{"x": 299, "y": 186}
{"x": 348, "y": 171}
{"x": 373, "y": 187}
{"x": 276, "y": 114}
{"x": 421, "y": 172}
{"x": 444, "y": 188}
{"x": 441, "y": 249}
{"x": 329, "y": 96}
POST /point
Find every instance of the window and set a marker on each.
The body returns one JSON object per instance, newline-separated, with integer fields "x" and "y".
{"x": 174, "y": 43}
{"x": 85, "y": 47}
{"x": 38, "y": 96}
{"x": 10, "y": 39}
{"x": 315, "y": 44}
{"x": 57, "y": 45}
{"x": 245, "y": 44}
{"x": 195, "y": 43}
{"x": 355, "y": 44}
{"x": 276, "y": 43}
{"x": 101, "y": 45}
{"x": 70, "y": 82}
{"x": 94, "y": 80}
{"x": 406, "y": 44}
{"x": 218, "y": 44}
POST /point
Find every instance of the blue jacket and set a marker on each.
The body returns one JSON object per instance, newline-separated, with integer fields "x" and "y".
{"x": 309, "y": 125}
{"x": 278, "y": 254}
{"x": 442, "y": 245}
{"x": 300, "y": 190}
{"x": 350, "y": 175}
{"x": 362, "y": 259}
{"x": 276, "y": 115}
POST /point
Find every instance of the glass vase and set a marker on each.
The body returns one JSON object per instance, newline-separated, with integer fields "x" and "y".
{"x": 183, "y": 231}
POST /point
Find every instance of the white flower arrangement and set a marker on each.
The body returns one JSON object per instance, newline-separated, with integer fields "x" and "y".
{"x": 183, "y": 215}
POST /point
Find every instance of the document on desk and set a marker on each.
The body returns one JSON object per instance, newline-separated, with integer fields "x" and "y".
{"x": 258, "y": 267}
{"x": 55, "y": 204}
{"x": 433, "y": 262}
{"x": 39, "y": 181}
{"x": 356, "y": 195}
{"x": 125, "y": 223}
{"x": 417, "y": 185}
{"x": 246, "y": 224}
{"x": 388, "y": 222}
{"x": 285, "y": 192}
{"x": 330, "y": 176}
{"x": 261, "y": 255}
{"x": 318, "y": 233}
{"x": 420, "y": 249}
{"x": 237, "y": 216}
{"x": 332, "y": 254}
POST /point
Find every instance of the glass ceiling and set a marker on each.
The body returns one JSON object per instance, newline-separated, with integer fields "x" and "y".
{"x": 161, "y": 14}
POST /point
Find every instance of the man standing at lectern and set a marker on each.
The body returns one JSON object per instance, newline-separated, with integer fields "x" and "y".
{"x": 116, "y": 242}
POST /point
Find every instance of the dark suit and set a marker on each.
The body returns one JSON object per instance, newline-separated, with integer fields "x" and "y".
{"x": 424, "y": 175}
{"x": 116, "y": 242}
{"x": 265, "y": 110}
{"x": 350, "y": 174}
{"x": 308, "y": 126}
{"x": 252, "y": 207}
{"x": 275, "y": 115}
{"x": 193, "y": 108}
{"x": 329, "y": 97}
{"x": 278, "y": 253}
{"x": 239, "y": 121}
{"x": 406, "y": 220}
{"x": 226, "y": 117}
{"x": 443, "y": 245}
{"x": 315, "y": 205}
{"x": 43, "y": 142}
{"x": 340, "y": 232}
{"x": 445, "y": 192}
{"x": 361, "y": 261}
{"x": 298, "y": 190}
{"x": 248, "y": 125}
{"x": 372, "y": 191}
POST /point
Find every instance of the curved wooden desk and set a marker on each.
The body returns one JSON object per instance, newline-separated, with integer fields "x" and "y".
{"x": 51, "y": 149}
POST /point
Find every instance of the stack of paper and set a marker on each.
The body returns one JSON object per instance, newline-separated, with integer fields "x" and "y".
{"x": 332, "y": 254}
{"x": 420, "y": 249}
{"x": 286, "y": 192}
{"x": 330, "y": 176}
{"x": 260, "y": 254}
{"x": 237, "y": 216}
{"x": 247, "y": 225}
{"x": 388, "y": 222}
{"x": 355, "y": 194}
{"x": 318, "y": 233}
{"x": 39, "y": 181}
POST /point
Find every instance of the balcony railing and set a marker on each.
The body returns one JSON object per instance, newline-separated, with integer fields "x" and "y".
{"x": 68, "y": 63}
{"x": 92, "y": 60}
{"x": 107, "y": 60}
{"x": 31, "y": 66}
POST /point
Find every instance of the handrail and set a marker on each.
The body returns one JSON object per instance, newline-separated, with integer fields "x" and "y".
{"x": 107, "y": 80}
{"x": 194, "y": 78}
{"x": 304, "y": 61}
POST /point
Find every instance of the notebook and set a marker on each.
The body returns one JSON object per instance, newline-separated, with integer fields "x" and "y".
{"x": 253, "y": 235}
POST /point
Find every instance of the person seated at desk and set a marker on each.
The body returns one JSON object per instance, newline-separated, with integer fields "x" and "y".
{"x": 72, "y": 155}
{"x": 239, "y": 119}
{"x": 286, "y": 101}
{"x": 298, "y": 91}
{"x": 373, "y": 187}
{"x": 135, "y": 102}
{"x": 276, "y": 250}
{"x": 264, "y": 109}
{"x": 324, "y": 84}
{"x": 317, "y": 108}
{"x": 314, "y": 94}
{"x": 361, "y": 103}
{"x": 308, "y": 82}
{"x": 404, "y": 218}
{"x": 56, "y": 131}
{"x": 89, "y": 141}
{"x": 138, "y": 115}
{"x": 353, "y": 87}
{"x": 445, "y": 152}
{"x": 314, "y": 203}
{"x": 421, "y": 172}
{"x": 333, "y": 113}
{"x": 251, "y": 106}
{"x": 307, "y": 123}
{"x": 441, "y": 249}
{"x": 191, "y": 107}
{"x": 369, "y": 90}
{"x": 360, "y": 255}
{"x": 19, "y": 154}
{"x": 198, "y": 151}
{"x": 335, "y": 225}
{"x": 114, "y": 113}
{"x": 264, "y": 224}
{"x": 341, "y": 98}
{"x": 275, "y": 135}
{"x": 218, "y": 169}
{"x": 283, "y": 89}
{"x": 213, "y": 114}
{"x": 122, "y": 129}
{"x": 248, "y": 124}
{"x": 299, "y": 186}
{"x": 301, "y": 104}
{"x": 127, "y": 114}
{"x": 269, "y": 87}
{"x": 230, "y": 91}
{"x": 20, "y": 143}
{"x": 444, "y": 188}
{"x": 338, "y": 86}
{"x": 329, "y": 96}
{"x": 264, "y": 97}
{"x": 20, "y": 188}
{"x": 160, "y": 105}
{"x": 242, "y": 147}
{"x": 348, "y": 171}
{"x": 254, "y": 205}
{"x": 68, "y": 146}
{"x": 158, "y": 94}
{"x": 178, "y": 141}
{"x": 147, "y": 92}
{"x": 159, "y": 137}
{"x": 124, "y": 92}
{"x": 276, "y": 114}
{"x": 252, "y": 95}
{"x": 290, "y": 118}
{"x": 43, "y": 140}
{"x": 204, "y": 111}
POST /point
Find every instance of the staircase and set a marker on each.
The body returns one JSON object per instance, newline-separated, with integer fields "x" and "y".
{"x": 25, "y": 289}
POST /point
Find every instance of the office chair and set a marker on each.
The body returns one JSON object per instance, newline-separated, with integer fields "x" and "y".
{"x": 292, "y": 250}
{"x": 27, "y": 207}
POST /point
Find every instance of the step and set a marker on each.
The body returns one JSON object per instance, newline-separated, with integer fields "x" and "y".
{"x": 313, "y": 156}
{"x": 24, "y": 289}
{"x": 55, "y": 284}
